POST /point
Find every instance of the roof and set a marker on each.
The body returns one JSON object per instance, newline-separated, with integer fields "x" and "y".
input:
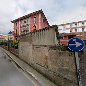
{"x": 72, "y": 23}
{"x": 10, "y": 32}
{"x": 28, "y": 15}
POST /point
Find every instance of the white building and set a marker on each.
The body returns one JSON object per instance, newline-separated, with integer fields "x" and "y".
{"x": 79, "y": 26}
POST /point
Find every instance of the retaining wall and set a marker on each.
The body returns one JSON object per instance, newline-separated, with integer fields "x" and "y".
{"x": 59, "y": 66}
{"x": 41, "y": 53}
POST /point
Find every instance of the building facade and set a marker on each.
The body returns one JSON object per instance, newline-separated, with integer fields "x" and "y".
{"x": 70, "y": 30}
{"x": 73, "y": 27}
{"x": 2, "y": 38}
{"x": 29, "y": 23}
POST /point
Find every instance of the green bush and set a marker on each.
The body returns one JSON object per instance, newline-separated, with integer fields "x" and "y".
{"x": 14, "y": 44}
{"x": 1, "y": 43}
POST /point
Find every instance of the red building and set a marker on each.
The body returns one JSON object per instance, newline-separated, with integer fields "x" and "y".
{"x": 29, "y": 23}
{"x": 65, "y": 37}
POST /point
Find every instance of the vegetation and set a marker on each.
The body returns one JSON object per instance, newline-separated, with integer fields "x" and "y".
{"x": 13, "y": 44}
{"x": 1, "y": 43}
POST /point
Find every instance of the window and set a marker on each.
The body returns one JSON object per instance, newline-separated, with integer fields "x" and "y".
{"x": 82, "y": 29}
{"x": 16, "y": 24}
{"x": 24, "y": 21}
{"x": 70, "y": 25}
{"x": 27, "y": 20}
{"x": 82, "y": 23}
{"x": 76, "y": 30}
{"x": 42, "y": 19}
{"x": 70, "y": 30}
{"x": 76, "y": 24}
{"x": 16, "y": 31}
{"x": 21, "y": 22}
{"x": 64, "y": 27}
{"x": 35, "y": 20}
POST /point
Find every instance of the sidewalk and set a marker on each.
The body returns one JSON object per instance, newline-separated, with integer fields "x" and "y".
{"x": 29, "y": 70}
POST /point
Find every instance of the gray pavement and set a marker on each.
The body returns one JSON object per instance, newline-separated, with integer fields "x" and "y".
{"x": 10, "y": 75}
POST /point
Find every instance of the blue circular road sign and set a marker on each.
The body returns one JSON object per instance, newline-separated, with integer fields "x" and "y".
{"x": 76, "y": 44}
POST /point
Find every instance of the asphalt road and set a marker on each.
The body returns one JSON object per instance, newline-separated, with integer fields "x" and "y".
{"x": 10, "y": 75}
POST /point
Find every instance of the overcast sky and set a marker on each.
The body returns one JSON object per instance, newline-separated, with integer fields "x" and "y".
{"x": 56, "y": 11}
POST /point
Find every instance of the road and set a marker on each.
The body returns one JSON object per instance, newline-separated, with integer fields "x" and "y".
{"x": 10, "y": 75}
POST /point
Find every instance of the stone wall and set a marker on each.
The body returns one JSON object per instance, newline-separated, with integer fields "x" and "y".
{"x": 62, "y": 63}
{"x": 59, "y": 66}
{"x": 41, "y": 53}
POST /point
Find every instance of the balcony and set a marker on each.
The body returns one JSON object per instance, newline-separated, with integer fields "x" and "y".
{"x": 24, "y": 32}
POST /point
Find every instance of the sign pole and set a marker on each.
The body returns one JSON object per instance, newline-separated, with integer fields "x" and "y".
{"x": 78, "y": 69}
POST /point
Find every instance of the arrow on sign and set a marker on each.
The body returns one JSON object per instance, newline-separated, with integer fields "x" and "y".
{"x": 76, "y": 43}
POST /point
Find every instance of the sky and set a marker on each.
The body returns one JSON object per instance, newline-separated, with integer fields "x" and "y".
{"x": 56, "y": 11}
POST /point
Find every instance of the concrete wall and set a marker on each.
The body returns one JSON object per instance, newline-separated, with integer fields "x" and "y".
{"x": 62, "y": 63}
{"x": 41, "y": 53}
{"x": 42, "y": 37}
{"x": 59, "y": 66}
{"x": 25, "y": 51}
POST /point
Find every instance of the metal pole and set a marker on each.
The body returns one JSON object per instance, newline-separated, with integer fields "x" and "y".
{"x": 8, "y": 42}
{"x": 78, "y": 69}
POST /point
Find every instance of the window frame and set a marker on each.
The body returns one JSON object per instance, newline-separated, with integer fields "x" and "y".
{"x": 75, "y": 29}
{"x": 83, "y": 29}
{"x": 34, "y": 19}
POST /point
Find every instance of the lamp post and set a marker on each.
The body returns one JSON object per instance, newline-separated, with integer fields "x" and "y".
{"x": 9, "y": 39}
{"x": 8, "y": 42}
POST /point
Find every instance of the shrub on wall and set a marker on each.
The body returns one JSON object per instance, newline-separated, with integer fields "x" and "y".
{"x": 14, "y": 44}
{"x": 1, "y": 43}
